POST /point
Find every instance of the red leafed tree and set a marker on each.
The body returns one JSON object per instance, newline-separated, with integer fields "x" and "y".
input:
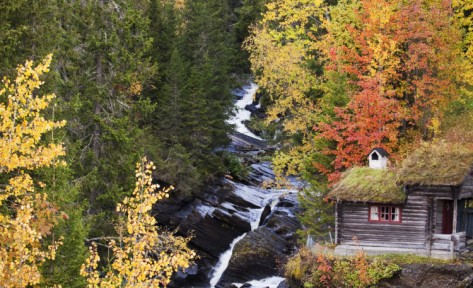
{"x": 370, "y": 120}
{"x": 401, "y": 59}
{"x": 374, "y": 113}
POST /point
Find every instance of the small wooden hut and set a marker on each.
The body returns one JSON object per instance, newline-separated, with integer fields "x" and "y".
{"x": 422, "y": 208}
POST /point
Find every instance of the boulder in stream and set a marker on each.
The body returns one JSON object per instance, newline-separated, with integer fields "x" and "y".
{"x": 260, "y": 253}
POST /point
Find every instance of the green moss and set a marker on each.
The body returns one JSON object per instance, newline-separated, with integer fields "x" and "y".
{"x": 401, "y": 259}
{"x": 439, "y": 163}
{"x": 364, "y": 184}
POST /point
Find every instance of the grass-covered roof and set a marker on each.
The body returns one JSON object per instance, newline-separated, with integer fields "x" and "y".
{"x": 364, "y": 184}
{"x": 440, "y": 163}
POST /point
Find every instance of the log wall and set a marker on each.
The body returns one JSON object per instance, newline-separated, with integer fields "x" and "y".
{"x": 466, "y": 191}
{"x": 412, "y": 232}
{"x": 445, "y": 241}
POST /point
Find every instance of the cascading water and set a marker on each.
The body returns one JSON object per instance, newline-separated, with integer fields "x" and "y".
{"x": 223, "y": 262}
{"x": 263, "y": 283}
{"x": 242, "y": 114}
{"x": 254, "y": 194}
{"x": 260, "y": 197}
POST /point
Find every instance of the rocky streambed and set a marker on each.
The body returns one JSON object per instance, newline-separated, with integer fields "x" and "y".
{"x": 242, "y": 232}
{"x": 263, "y": 220}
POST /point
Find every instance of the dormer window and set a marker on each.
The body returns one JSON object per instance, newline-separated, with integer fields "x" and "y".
{"x": 378, "y": 158}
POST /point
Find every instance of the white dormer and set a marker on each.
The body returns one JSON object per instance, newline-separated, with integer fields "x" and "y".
{"x": 378, "y": 158}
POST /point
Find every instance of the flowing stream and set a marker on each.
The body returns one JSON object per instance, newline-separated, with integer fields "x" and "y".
{"x": 241, "y": 113}
{"x": 259, "y": 196}
{"x": 223, "y": 262}
{"x": 262, "y": 197}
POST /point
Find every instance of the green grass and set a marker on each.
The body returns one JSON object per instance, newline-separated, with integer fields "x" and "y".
{"x": 400, "y": 259}
{"x": 364, "y": 184}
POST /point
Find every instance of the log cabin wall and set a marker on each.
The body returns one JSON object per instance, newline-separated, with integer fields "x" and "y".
{"x": 466, "y": 190}
{"x": 412, "y": 232}
{"x": 439, "y": 192}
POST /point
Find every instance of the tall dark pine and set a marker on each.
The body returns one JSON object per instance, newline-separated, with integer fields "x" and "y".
{"x": 104, "y": 73}
{"x": 192, "y": 90}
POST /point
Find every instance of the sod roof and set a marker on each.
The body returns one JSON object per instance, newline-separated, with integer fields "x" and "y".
{"x": 436, "y": 164}
{"x": 364, "y": 184}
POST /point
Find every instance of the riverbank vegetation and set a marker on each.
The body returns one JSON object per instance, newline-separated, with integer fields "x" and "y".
{"x": 310, "y": 269}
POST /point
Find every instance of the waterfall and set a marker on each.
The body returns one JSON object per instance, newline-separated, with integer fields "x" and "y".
{"x": 224, "y": 259}
{"x": 223, "y": 262}
{"x": 260, "y": 197}
{"x": 242, "y": 114}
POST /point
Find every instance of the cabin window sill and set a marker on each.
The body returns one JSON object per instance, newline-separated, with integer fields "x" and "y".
{"x": 384, "y": 214}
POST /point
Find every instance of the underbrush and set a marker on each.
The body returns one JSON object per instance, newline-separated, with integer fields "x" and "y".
{"x": 322, "y": 269}
{"x": 235, "y": 166}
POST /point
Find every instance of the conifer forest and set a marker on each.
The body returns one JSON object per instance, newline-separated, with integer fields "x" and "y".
{"x": 201, "y": 143}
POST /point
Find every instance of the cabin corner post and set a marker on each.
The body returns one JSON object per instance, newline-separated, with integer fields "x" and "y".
{"x": 430, "y": 219}
{"x": 455, "y": 210}
{"x": 337, "y": 224}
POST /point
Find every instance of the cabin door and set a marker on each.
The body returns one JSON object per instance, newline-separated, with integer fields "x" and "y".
{"x": 447, "y": 217}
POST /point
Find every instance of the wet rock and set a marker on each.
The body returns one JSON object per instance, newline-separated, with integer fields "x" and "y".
{"x": 242, "y": 142}
{"x": 283, "y": 284}
{"x": 165, "y": 212}
{"x": 238, "y": 93}
{"x": 183, "y": 276}
{"x": 259, "y": 113}
{"x": 221, "y": 213}
{"x": 259, "y": 254}
{"x": 240, "y": 201}
{"x": 237, "y": 222}
{"x": 261, "y": 173}
{"x": 266, "y": 212}
{"x": 282, "y": 224}
{"x": 429, "y": 275}
{"x": 255, "y": 256}
{"x": 285, "y": 203}
{"x": 211, "y": 235}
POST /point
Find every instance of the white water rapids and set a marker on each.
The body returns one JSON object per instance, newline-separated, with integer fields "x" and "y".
{"x": 264, "y": 283}
{"x": 223, "y": 262}
{"x": 260, "y": 197}
{"x": 264, "y": 197}
{"x": 242, "y": 114}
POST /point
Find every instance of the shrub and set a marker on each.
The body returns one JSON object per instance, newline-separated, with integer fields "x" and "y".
{"x": 310, "y": 270}
{"x": 235, "y": 167}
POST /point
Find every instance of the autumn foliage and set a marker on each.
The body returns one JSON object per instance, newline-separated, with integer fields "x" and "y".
{"x": 143, "y": 256}
{"x": 323, "y": 269}
{"x": 26, "y": 216}
{"x": 360, "y": 74}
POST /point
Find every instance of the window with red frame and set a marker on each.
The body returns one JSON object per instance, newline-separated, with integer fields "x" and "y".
{"x": 390, "y": 214}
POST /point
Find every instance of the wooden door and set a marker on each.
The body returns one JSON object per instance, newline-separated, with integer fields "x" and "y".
{"x": 447, "y": 217}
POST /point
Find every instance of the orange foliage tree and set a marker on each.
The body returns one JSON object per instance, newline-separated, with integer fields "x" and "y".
{"x": 403, "y": 65}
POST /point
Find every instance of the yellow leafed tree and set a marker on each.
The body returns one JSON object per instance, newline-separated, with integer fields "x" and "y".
{"x": 143, "y": 256}
{"x": 26, "y": 217}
